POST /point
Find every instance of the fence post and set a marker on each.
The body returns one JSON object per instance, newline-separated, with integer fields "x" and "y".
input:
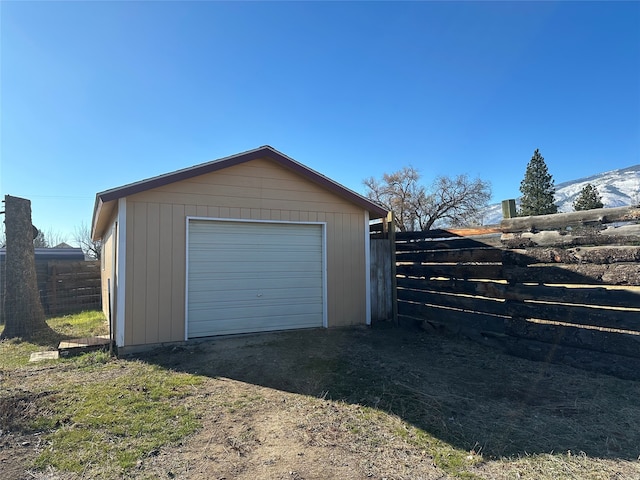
{"x": 509, "y": 208}
{"x": 391, "y": 229}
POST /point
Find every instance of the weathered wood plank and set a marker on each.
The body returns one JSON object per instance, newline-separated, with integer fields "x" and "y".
{"x": 610, "y": 342}
{"x": 563, "y": 220}
{"x": 481, "y": 271}
{"x": 587, "y": 295}
{"x": 624, "y": 235}
{"x": 615, "y": 274}
{"x": 427, "y": 234}
{"x": 577, "y": 315}
{"x": 485, "y": 241}
{"x": 472, "y": 304}
{"x": 381, "y": 280}
{"x": 597, "y": 255}
{"x": 453, "y": 320}
{"x": 464, "y": 255}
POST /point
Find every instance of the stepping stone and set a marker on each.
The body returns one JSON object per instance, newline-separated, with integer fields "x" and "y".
{"x": 76, "y": 346}
{"x": 40, "y": 356}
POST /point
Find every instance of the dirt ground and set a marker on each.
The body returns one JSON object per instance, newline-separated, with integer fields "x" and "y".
{"x": 381, "y": 403}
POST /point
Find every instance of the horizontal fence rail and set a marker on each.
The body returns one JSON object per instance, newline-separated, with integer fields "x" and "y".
{"x": 574, "y": 301}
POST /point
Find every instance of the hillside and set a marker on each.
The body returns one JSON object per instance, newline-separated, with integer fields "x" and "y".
{"x": 617, "y": 188}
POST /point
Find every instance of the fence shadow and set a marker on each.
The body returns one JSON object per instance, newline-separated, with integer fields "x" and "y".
{"x": 469, "y": 395}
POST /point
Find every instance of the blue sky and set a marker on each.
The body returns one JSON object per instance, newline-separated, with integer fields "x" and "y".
{"x": 95, "y": 95}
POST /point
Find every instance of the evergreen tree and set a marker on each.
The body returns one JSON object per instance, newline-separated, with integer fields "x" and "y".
{"x": 537, "y": 188}
{"x": 588, "y": 199}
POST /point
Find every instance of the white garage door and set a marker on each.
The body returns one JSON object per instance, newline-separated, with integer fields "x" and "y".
{"x": 253, "y": 277}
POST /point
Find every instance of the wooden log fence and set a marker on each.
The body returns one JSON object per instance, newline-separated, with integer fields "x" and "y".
{"x": 575, "y": 300}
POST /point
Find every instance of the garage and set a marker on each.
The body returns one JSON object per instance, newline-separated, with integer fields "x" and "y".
{"x": 249, "y": 276}
{"x": 253, "y": 242}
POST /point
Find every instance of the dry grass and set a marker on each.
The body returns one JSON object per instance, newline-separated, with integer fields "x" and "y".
{"x": 351, "y": 404}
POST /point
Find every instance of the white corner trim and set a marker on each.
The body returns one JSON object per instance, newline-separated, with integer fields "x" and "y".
{"x": 121, "y": 269}
{"x": 367, "y": 268}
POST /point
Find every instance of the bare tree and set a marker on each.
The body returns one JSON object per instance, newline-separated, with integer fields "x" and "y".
{"x": 91, "y": 248}
{"x": 453, "y": 201}
{"x": 23, "y": 312}
{"x": 449, "y": 201}
{"x": 48, "y": 239}
{"x": 40, "y": 241}
{"x": 398, "y": 192}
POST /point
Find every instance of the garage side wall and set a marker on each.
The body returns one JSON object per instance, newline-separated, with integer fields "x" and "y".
{"x": 107, "y": 271}
{"x": 256, "y": 190}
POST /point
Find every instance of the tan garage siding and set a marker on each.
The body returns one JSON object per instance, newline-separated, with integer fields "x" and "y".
{"x": 107, "y": 267}
{"x": 258, "y": 190}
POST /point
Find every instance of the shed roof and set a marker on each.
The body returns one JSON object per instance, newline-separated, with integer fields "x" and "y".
{"x": 106, "y": 200}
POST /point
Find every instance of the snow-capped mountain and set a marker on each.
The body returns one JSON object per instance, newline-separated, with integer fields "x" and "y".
{"x": 616, "y": 187}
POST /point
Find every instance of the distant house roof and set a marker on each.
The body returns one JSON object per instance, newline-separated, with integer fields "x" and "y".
{"x": 63, "y": 245}
{"x": 266, "y": 151}
{"x": 56, "y": 253}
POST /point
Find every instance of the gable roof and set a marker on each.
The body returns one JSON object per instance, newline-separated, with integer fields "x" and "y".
{"x": 109, "y": 197}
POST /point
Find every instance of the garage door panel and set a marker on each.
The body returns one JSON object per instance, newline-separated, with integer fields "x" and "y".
{"x": 265, "y": 266}
{"x": 252, "y": 277}
{"x": 253, "y": 312}
{"x": 264, "y": 324}
{"x": 227, "y": 282}
{"x": 254, "y": 296}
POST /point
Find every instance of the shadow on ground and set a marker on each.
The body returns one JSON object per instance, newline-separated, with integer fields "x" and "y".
{"x": 466, "y": 394}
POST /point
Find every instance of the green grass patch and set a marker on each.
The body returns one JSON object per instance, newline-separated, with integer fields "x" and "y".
{"x": 111, "y": 424}
{"x": 15, "y": 352}
{"x": 84, "y": 324}
{"x": 454, "y": 461}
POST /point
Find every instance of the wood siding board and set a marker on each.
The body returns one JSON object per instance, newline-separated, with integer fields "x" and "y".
{"x": 188, "y": 198}
{"x": 333, "y": 270}
{"x": 338, "y": 232}
{"x": 152, "y": 309}
{"x": 165, "y": 273}
{"x": 201, "y": 210}
{"x": 177, "y": 258}
{"x": 137, "y": 211}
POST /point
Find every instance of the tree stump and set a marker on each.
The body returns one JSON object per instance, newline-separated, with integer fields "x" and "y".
{"x": 23, "y": 312}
